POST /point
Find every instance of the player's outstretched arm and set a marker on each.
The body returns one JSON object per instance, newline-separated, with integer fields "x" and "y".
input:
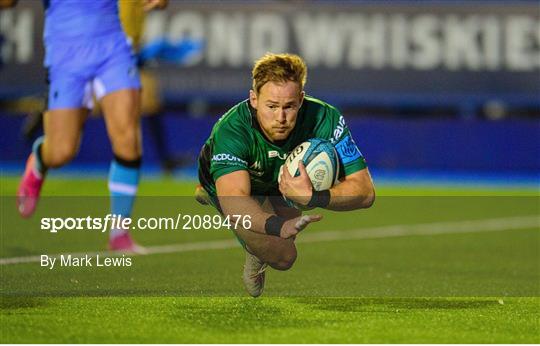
{"x": 234, "y": 191}
{"x": 356, "y": 191}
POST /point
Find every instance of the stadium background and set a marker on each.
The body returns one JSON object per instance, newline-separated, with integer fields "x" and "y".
{"x": 434, "y": 85}
{"x": 442, "y": 97}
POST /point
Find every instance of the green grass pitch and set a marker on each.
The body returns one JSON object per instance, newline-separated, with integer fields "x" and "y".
{"x": 447, "y": 282}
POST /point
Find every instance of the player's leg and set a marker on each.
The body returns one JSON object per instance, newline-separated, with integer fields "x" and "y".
{"x": 117, "y": 85}
{"x": 59, "y": 144}
{"x": 62, "y": 136}
{"x": 121, "y": 109}
{"x": 278, "y": 253}
{"x": 263, "y": 250}
{"x": 260, "y": 254}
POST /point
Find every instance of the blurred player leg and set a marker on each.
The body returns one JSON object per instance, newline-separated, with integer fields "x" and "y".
{"x": 58, "y": 146}
{"x": 121, "y": 109}
{"x": 132, "y": 16}
{"x": 68, "y": 96}
{"x": 33, "y": 125}
{"x": 63, "y": 128}
{"x": 117, "y": 86}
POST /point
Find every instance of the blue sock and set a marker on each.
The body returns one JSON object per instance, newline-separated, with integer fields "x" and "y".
{"x": 36, "y": 150}
{"x": 123, "y": 183}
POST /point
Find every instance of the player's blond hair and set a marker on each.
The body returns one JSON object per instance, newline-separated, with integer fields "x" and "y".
{"x": 278, "y": 68}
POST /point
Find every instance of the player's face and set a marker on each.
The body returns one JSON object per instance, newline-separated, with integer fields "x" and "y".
{"x": 277, "y": 106}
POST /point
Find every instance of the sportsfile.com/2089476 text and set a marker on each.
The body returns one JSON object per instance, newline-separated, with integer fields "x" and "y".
{"x": 183, "y": 222}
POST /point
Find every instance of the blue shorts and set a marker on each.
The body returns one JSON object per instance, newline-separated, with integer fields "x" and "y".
{"x": 79, "y": 70}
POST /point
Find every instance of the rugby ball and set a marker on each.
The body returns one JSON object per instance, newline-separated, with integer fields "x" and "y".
{"x": 321, "y": 161}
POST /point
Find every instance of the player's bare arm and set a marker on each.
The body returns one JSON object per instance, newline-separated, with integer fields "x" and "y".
{"x": 234, "y": 190}
{"x": 355, "y": 191}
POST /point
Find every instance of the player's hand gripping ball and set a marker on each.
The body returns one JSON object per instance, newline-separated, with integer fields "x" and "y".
{"x": 321, "y": 161}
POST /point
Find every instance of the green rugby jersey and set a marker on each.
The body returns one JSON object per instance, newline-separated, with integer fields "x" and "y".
{"x": 237, "y": 143}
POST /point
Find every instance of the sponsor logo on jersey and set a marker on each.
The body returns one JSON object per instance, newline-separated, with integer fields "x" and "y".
{"x": 275, "y": 153}
{"x": 256, "y": 165}
{"x": 256, "y": 169}
{"x": 347, "y": 150}
{"x": 338, "y": 131}
{"x": 228, "y": 158}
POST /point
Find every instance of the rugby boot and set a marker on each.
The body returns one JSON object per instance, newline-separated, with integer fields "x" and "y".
{"x": 201, "y": 195}
{"x": 29, "y": 188}
{"x": 124, "y": 243}
{"x": 254, "y": 275}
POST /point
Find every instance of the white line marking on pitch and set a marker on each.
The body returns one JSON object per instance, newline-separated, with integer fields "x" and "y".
{"x": 452, "y": 227}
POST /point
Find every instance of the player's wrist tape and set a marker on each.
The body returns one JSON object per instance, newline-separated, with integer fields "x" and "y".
{"x": 273, "y": 225}
{"x": 319, "y": 199}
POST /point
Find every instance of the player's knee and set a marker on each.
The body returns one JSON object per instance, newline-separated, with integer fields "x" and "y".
{"x": 127, "y": 137}
{"x": 285, "y": 261}
{"x": 60, "y": 155}
{"x": 126, "y": 144}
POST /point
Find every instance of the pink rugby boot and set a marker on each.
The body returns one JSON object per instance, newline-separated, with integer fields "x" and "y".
{"x": 29, "y": 188}
{"x": 124, "y": 243}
